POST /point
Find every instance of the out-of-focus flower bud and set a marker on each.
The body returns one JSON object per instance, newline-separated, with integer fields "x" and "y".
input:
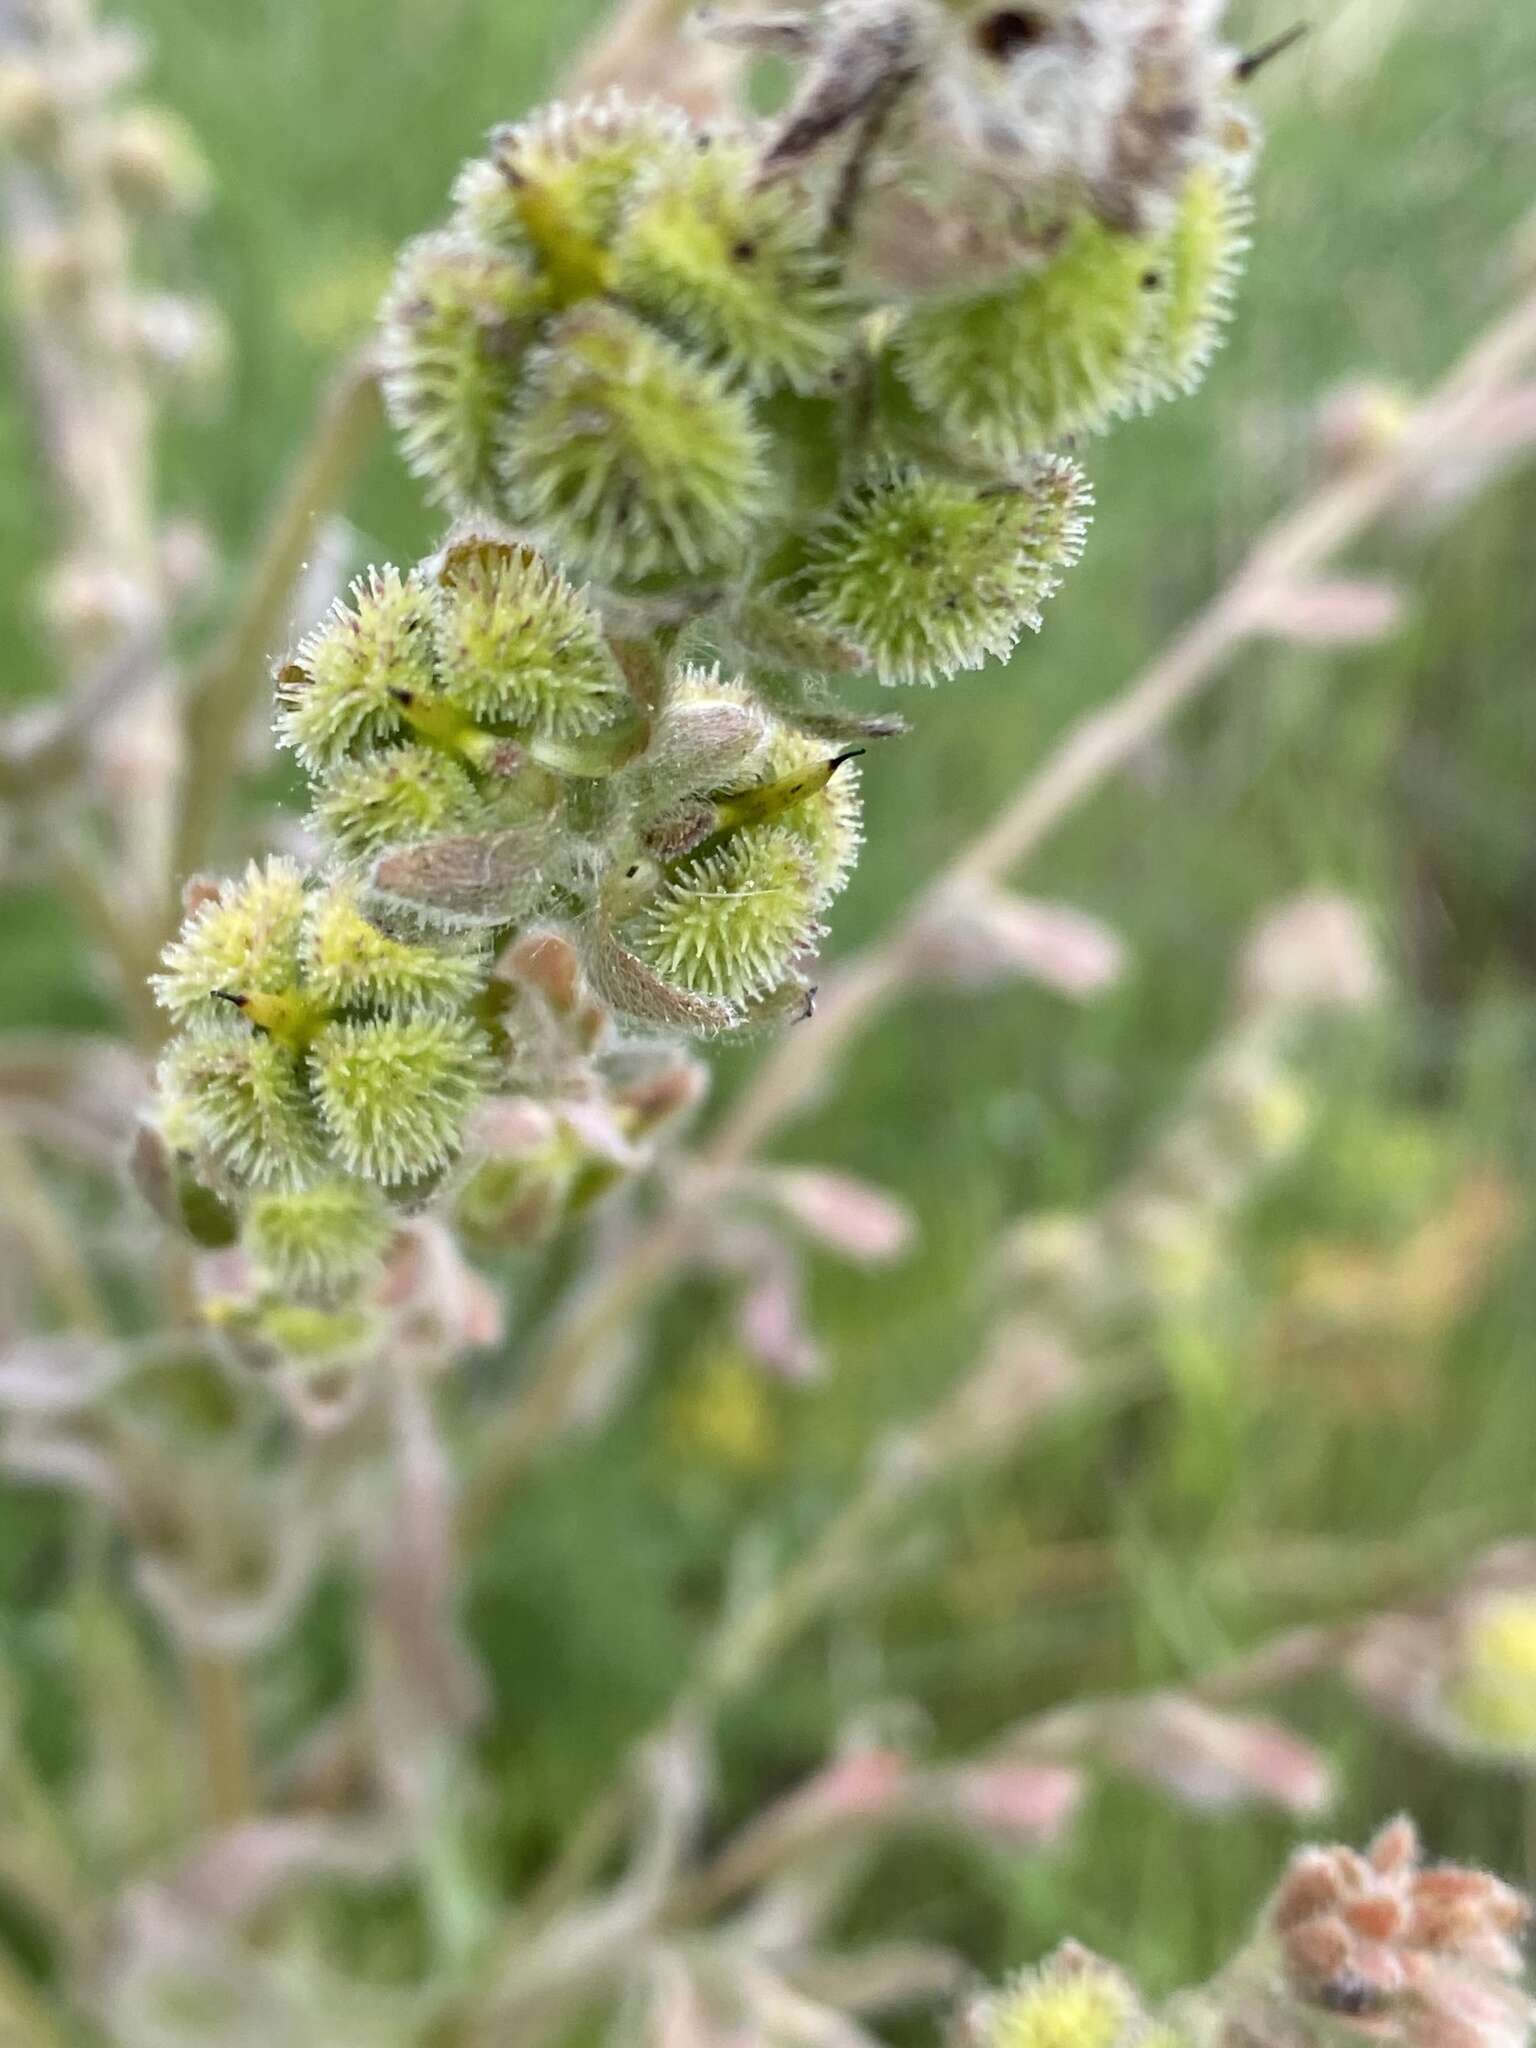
{"x": 643, "y": 53}
{"x": 771, "y": 1324}
{"x": 1216, "y": 1762}
{"x": 660, "y": 1095}
{"x": 188, "y": 562}
{"x": 156, "y": 163}
{"x": 1022, "y": 1805}
{"x": 30, "y": 112}
{"x": 844, "y": 1216}
{"x": 52, "y": 270}
{"x": 517, "y": 1193}
{"x": 1073, "y": 2000}
{"x": 186, "y": 341}
{"x": 439, "y": 1306}
{"x": 1258, "y": 1108}
{"x": 1361, "y": 420}
{"x": 1175, "y": 1248}
{"x": 1315, "y": 953}
{"x": 980, "y": 936}
{"x": 548, "y": 963}
{"x": 90, "y": 605}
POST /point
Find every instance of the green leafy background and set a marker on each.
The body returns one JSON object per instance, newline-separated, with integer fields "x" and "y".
{"x": 1402, "y": 773}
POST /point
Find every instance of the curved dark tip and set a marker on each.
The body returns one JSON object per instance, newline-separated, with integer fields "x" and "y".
{"x": 224, "y": 995}
{"x": 1255, "y": 61}
{"x": 848, "y": 754}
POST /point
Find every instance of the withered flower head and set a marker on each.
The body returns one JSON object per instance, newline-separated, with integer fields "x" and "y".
{"x": 1386, "y": 1948}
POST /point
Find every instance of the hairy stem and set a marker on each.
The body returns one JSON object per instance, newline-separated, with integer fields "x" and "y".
{"x": 221, "y": 1716}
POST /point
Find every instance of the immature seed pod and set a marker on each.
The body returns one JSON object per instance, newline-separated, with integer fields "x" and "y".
{"x": 828, "y": 821}
{"x": 1202, "y": 257}
{"x": 520, "y": 647}
{"x": 394, "y": 798}
{"x": 1061, "y": 498}
{"x": 730, "y": 923}
{"x": 308, "y": 1031}
{"x": 394, "y": 1094}
{"x": 245, "y": 939}
{"x": 1056, "y": 352}
{"x": 457, "y": 326}
{"x": 351, "y": 965}
{"x": 638, "y": 462}
{"x": 243, "y": 1095}
{"x": 318, "y": 1242}
{"x": 345, "y": 686}
{"x": 934, "y": 576}
{"x": 734, "y": 266}
{"x": 553, "y": 188}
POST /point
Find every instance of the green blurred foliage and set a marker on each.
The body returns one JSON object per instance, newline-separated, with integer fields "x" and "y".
{"x": 1401, "y": 774}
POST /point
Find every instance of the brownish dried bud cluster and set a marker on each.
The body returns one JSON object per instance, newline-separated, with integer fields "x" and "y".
{"x": 1397, "y": 1951}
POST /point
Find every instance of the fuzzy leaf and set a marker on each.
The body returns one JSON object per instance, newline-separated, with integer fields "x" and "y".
{"x": 637, "y": 991}
{"x": 485, "y": 878}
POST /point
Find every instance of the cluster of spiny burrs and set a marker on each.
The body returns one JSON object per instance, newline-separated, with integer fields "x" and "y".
{"x": 483, "y": 766}
{"x": 816, "y": 384}
{"x": 708, "y": 452}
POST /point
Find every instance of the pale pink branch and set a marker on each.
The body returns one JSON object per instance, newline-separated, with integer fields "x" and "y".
{"x": 979, "y": 937}
{"x": 1339, "y": 612}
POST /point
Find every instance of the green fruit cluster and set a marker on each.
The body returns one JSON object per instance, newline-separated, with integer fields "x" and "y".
{"x": 699, "y": 474}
